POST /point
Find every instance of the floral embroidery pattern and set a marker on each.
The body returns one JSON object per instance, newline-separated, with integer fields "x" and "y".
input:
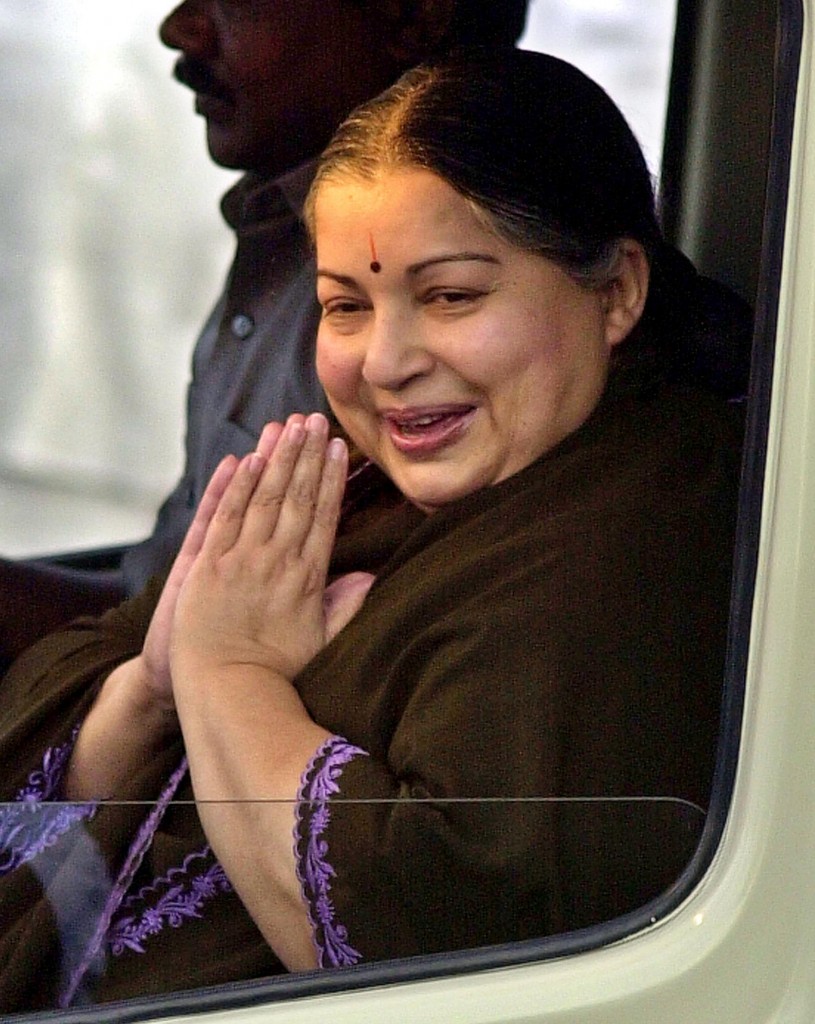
{"x": 94, "y": 953}
{"x": 30, "y": 825}
{"x": 313, "y": 869}
{"x": 185, "y": 896}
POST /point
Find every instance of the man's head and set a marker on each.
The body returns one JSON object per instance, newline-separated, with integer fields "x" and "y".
{"x": 273, "y": 79}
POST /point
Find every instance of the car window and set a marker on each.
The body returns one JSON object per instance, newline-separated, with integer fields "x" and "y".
{"x": 113, "y": 251}
{"x": 647, "y": 842}
{"x": 162, "y": 893}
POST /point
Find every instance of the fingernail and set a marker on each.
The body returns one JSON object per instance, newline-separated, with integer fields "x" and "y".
{"x": 271, "y": 429}
{"x": 336, "y": 449}
{"x": 255, "y": 462}
{"x": 295, "y": 430}
{"x": 317, "y": 423}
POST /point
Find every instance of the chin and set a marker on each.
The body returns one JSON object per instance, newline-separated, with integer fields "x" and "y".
{"x": 224, "y": 152}
{"x": 433, "y": 495}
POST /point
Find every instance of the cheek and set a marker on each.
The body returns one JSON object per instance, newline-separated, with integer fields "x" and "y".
{"x": 509, "y": 352}
{"x": 338, "y": 370}
{"x": 252, "y": 58}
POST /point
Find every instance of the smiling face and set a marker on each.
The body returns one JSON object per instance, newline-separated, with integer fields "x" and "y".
{"x": 273, "y": 79}
{"x": 452, "y": 358}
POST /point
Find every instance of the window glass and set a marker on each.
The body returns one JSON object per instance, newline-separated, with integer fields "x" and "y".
{"x": 622, "y": 44}
{"x": 375, "y": 863}
{"x": 176, "y": 924}
{"x": 112, "y": 252}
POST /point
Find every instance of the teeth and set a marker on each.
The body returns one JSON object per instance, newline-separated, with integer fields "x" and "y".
{"x": 417, "y": 424}
{"x": 420, "y": 423}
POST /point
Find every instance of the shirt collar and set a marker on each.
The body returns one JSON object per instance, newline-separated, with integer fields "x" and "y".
{"x": 254, "y": 198}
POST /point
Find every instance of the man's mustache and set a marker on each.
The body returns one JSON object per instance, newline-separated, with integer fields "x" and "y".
{"x": 198, "y": 77}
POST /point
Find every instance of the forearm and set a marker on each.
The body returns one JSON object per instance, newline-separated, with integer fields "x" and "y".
{"x": 249, "y": 615}
{"x": 124, "y": 730}
{"x": 248, "y": 740}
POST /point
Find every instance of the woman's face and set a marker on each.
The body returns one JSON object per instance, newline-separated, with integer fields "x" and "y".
{"x": 452, "y": 358}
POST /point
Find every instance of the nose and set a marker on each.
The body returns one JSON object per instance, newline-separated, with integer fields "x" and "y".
{"x": 395, "y": 354}
{"x": 190, "y": 28}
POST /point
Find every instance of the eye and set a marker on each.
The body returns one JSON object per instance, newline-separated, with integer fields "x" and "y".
{"x": 340, "y": 307}
{"x": 457, "y": 299}
{"x": 344, "y": 314}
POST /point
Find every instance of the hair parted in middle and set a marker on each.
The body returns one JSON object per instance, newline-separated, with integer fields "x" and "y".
{"x": 541, "y": 151}
{"x": 549, "y": 164}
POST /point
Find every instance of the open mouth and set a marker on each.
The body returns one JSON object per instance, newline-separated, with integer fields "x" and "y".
{"x": 427, "y": 431}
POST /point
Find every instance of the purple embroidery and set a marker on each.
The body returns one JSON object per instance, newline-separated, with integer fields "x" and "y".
{"x": 29, "y": 826}
{"x": 313, "y": 870}
{"x": 44, "y": 782}
{"x": 135, "y": 855}
{"x": 184, "y": 899}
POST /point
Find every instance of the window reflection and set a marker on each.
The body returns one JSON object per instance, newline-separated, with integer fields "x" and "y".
{"x": 101, "y": 919}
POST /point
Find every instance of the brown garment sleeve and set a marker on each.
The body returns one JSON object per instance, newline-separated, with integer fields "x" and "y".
{"x": 50, "y": 851}
{"x": 562, "y": 638}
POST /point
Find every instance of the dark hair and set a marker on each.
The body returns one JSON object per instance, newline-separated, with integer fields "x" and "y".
{"x": 537, "y": 146}
{"x": 487, "y": 23}
{"x": 471, "y": 22}
{"x": 550, "y": 163}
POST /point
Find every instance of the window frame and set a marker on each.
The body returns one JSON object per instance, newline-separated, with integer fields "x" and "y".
{"x": 602, "y": 942}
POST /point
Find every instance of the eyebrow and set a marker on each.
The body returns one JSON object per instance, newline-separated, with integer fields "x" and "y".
{"x": 416, "y": 268}
{"x": 343, "y": 279}
{"x": 455, "y": 257}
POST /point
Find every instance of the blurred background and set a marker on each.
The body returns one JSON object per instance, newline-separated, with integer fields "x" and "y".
{"x": 112, "y": 249}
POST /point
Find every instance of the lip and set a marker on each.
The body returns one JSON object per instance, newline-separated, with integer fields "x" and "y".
{"x": 211, "y": 107}
{"x": 426, "y": 430}
{"x": 211, "y": 96}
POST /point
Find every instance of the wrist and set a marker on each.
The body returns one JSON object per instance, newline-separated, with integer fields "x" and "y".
{"x": 127, "y": 726}
{"x": 131, "y": 685}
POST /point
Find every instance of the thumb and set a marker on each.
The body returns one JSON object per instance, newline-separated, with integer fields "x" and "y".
{"x": 343, "y": 599}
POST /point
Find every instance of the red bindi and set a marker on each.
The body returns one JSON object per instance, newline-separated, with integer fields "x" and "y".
{"x": 376, "y": 266}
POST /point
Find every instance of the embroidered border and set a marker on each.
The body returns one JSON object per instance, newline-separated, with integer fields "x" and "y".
{"x": 30, "y": 825}
{"x": 186, "y": 895}
{"x": 94, "y": 954}
{"x": 318, "y": 784}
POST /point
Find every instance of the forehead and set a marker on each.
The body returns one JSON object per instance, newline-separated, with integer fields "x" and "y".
{"x": 398, "y": 205}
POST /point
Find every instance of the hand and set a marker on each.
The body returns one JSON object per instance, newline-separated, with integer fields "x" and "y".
{"x": 156, "y": 650}
{"x": 343, "y": 599}
{"x": 255, "y": 594}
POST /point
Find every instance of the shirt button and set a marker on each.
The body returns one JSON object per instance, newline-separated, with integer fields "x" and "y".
{"x": 242, "y": 326}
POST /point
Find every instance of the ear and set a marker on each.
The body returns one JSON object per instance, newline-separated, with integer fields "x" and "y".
{"x": 626, "y": 292}
{"x": 417, "y": 27}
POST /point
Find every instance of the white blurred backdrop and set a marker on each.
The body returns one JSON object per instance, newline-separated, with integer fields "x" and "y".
{"x": 112, "y": 249}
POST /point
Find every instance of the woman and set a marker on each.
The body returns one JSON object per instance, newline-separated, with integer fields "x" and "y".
{"x": 548, "y": 617}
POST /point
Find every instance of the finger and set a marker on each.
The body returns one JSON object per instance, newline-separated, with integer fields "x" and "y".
{"x": 269, "y": 438}
{"x": 263, "y": 515}
{"x": 319, "y": 541}
{"x": 225, "y": 526}
{"x": 197, "y": 531}
{"x": 302, "y": 495}
{"x": 343, "y": 599}
{"x": 218, "y": 483}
